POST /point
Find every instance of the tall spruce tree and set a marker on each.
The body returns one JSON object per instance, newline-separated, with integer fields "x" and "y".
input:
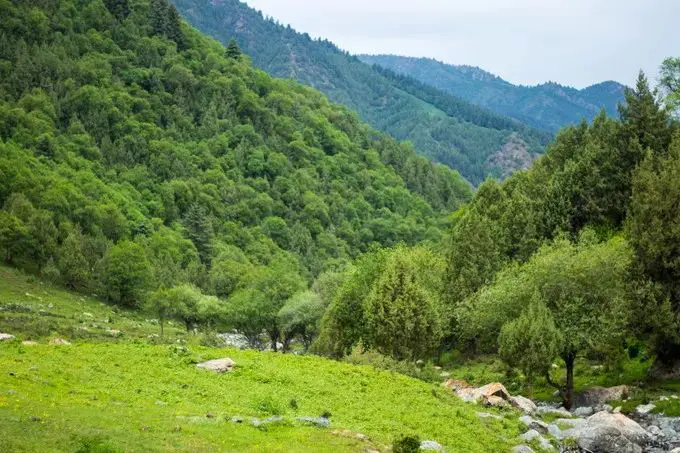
{"x": 158, "y": 16}
{"x": 233, "y": 51}
{"x": 119, "y": 8}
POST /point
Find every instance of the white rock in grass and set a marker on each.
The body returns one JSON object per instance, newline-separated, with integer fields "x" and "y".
{"x": 218, "y": 365}
{"x": 6, "y": 337}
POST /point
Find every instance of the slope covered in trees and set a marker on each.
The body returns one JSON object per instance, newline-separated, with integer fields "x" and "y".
{"x": 440, "y": 126}
{"x": 137, "y": 155}
{"x": 547, "y": 107}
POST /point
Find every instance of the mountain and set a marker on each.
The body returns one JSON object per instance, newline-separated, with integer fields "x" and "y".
{"x": 130, "y": 142}
{"x": 548, "y": 106}
{"x": 439, "y": 125}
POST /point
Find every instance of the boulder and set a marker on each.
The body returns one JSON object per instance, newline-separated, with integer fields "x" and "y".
{"x": 606, "y": 439}
{"x": 627, "y": 427}
{"x": 6, "y": 337}
{"x": 534, "y": 424}
{"x": 218, "y": 365}
{"x": 29, "y": 343}
{"x": 596, "y": 396}
{"x": 675, "y": 450}
{"x": 584, "y": 411}
{"x": 59, "y": 342}
{"x": 555, "y": 411}
{"x": 524, "y": 404}
{"x": 493, "y": 394}
{"x": 488, "y": 415}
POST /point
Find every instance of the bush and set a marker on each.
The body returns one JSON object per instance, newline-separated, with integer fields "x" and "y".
{"x": 406, "y": 444}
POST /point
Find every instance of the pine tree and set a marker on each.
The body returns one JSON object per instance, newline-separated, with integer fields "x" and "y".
{"x": 158, "y": 16}
{"x": 644, "y": 120}
{"x": 233, "y": 51}
{"x": 174, "y": 29}
{"x": 119, "y": 8}
{"x": 200, "y": 230}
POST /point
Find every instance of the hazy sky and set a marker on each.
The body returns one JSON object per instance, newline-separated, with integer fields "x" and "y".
{"x": 574, "y": 42}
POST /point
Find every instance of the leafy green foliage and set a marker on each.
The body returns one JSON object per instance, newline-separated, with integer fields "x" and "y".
{"x": 135, "y": 154}
{"x": 670, "y": 82}
{"x": 301, "y": 316}
{"x": 440, "y": 126}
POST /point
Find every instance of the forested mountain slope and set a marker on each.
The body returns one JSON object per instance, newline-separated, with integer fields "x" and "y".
{"x": 136, "y": 153}
{"x": 548, "y": 106}
{"x": 464, "y": 138}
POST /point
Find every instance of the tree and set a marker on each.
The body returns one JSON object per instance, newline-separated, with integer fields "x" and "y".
{"x": 13, "y": 237}
{"x": 644, "y": 121}
{"x": 120, "y": 9}
{"x": 125, "y": 274}
{"x": 200, "y": 230}
{"x": 71, "y": 262}
{"x": 245, "y": 314}
{"x": 161, "y": 304}
{"x": 300, "y": 316}
{"x": 584, "y": 286}
{"x": 670, "y": 82}
{"x": 158, "y": 16}
{"x": 174, "y": 28}
{"x": 233, "y": 51}
{"x": 531, "y": 342}
{"x": 403, "y": 311}
{"x": 654, "y": 232}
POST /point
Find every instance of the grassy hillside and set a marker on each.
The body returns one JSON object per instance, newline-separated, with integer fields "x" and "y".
{"x": 463, "y": 139}
{"x": 547, "y": 107}
{"x": 127, "y": 394}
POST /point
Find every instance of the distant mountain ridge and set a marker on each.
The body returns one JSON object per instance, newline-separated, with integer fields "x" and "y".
{"x": 440, "y": 125}
{"x": 548, "y": 106}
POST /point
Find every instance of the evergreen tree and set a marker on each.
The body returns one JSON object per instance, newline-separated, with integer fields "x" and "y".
{"x": 174, "y": 28}
{"x": 158, "y": 16}
{"x": 120, "y": 9}
{"x": 644, "y": 121}
{"x": 233, "y": 51}
{"x": 200, "y": 229}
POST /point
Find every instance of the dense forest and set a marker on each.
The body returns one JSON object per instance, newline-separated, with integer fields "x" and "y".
{"x": 136, "y": 155}
{"x": 547, "y": 107}
{"x": 146, "y": 163}
{"x": 439, "y": 125}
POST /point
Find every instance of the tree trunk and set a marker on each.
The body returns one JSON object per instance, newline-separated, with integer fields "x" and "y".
{"x": 568, "y": 396}
{"x": 161, "y": 323}
{"x": 274, "y": 336}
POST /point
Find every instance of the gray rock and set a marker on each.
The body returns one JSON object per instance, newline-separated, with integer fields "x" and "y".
{"x": 675, "y": 450}
{"x": 321, "y": 422}
{"x": 644, "y": 409}
{"x": 655, "y": 431}
{"x": 532, "y": 423}
{"x": 6, "y": 337}
{"x": 236, "y": 419}
{"x": 218, "y": 365}
{"x": 627, "y": 427}
{"x": 606, "y": 439}
{"x": 584, "y": 411}
{"x": 524, "y": 404}
{"x": 596, "y": 396}
{"x": 549, "y": 410}
{"x": 431, "y": 445}
{"x": 522, "y": 449}
{"x": 533, "y": 435}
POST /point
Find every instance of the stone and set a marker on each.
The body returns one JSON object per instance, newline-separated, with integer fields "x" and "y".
{"x": 675, "y": 450}
{"x": 431, "y": 445}
{"x": 522, "y": 449}
{"x": 584, "y": 411}
{"x": 6, "y": 337}
{"x": 533, "y": 435}
{"x": 236, "y": 419}
{"x": 630, "y": 429}
{"x": 29, "y": 343}
{"x": 645, "y": 409}
{"x": 555, "y": 411}
{"x": 606, "y": 439}
{"x": 321, "y": 422}
{"x": 655, "y": 431}
{"x": 218, "y": 365}
{"x": 534, "y": 424}
{"x": 596, "y": 396}
{"x": 59, "y": 342}
{"x": 457, "y": 384}
{"x": 114, "y": 332}
{"x": 524, "y": 404}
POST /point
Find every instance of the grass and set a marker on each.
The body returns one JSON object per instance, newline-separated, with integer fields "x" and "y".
{"x": 124, "y": 393}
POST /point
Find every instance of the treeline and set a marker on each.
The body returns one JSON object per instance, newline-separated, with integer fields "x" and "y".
{"x": 439, "y": 125}
{"x": 578, "y": 257}
{"x": 144, "y": 162}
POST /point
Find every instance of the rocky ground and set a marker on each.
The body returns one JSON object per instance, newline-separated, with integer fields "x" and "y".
{"x": 592, "y": 426}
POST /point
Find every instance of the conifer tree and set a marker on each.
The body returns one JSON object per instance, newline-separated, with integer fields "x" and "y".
{"x": 233, "y": 51}
{"x": 119, "y": 8}
{"x": 174, "y": 29}
{"x": 158, "y": 16}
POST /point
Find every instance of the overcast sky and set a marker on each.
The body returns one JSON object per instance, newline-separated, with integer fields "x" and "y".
{"x": 574, "y": 42}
